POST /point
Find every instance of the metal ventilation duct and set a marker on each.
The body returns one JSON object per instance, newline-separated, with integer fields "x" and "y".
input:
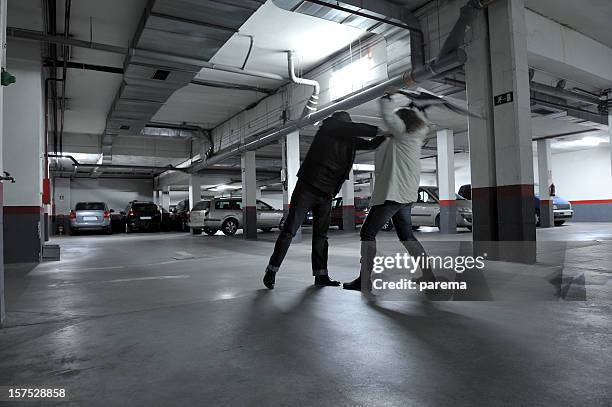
{"x": 194, "y": 29}
{"x": 394, "y": 22}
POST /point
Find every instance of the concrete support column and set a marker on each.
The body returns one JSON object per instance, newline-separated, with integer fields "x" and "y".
{"x": 23, "y": 157}
{"x": 481, "y": 137}
{"x": 610, "y": 133}
{"x": 291, "y": 166}
{"x": 62, "y": 204}
{"x": 165, "y": 198}
{"x": 512, "y": 127}
{"x": 157, "y": 197}
{"x": 545, "y": 179}
{"x": 195, "y": 189}
{"x": 2, "y": 63}
{"x": 249, "y": 195}
{"x": 500, "y": 141}
{"x": 446, "y": 181}
{"x": 348, "y": 202}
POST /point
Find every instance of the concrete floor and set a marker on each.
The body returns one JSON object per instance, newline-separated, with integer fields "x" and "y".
{"x": 175, "y": 319}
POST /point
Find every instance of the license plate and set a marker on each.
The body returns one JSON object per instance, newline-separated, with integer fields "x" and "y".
{"x": 145, "y": 218}
{"x": 89, "y": 218}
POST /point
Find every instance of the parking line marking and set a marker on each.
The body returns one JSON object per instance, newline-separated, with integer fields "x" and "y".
{"x": 121, "y": 280}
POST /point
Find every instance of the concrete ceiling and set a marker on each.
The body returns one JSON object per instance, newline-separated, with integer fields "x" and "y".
{"x": 589, "y": 17}
{"x": 273, "y": 30}
{"x": 89, "y": 93}
{"x": 311, "y": 38}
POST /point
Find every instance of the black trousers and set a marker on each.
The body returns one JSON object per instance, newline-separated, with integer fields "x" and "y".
{"x": 400, "y": 214}
{"x": 303, "y": 199}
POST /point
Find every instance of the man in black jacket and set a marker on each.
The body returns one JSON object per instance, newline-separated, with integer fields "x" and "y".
{"x": 325, "y": 168}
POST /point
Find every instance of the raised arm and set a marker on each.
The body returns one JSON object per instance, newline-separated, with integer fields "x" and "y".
{"x": 387, "y": 111}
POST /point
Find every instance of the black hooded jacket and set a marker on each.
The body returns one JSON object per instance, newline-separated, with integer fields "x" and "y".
{"x": 332, "y": 153}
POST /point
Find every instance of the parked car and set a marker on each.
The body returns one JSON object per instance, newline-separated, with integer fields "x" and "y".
{"x": 226, "y": 214}
{"x": 562, "y": 210}
{"x": 181, "y": 215}
{"x": 361, "y": 210}
{"x": 426, "y": 211}
{"x": 142, "y": 216}
{"x": 90, "y": 216}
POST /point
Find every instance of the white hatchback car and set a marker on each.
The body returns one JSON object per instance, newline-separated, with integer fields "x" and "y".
{"x": 226, "y": 214}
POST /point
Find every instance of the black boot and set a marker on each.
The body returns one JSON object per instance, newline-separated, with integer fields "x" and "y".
{"x": 323, "y": 281}
{"x": 269, "y": 278}
{"x": 353, "y": 285}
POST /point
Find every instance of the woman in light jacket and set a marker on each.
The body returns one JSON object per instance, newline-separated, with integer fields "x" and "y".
{"x": 398, "y": 172}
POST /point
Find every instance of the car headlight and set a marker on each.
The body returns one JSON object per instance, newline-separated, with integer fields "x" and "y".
{"x": 464, "y": 210}
{"x": 555, "y": 207}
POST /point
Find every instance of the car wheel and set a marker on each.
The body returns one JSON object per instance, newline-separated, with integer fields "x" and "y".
{"x": 109, "y": 230}
{"x": 210, "y": 231}
{"x": 196, "y": 231}
{"x": 537, "y": 217}
{"x": 438, "y": 221}
{"x": 266, "y": 230}
{"x": 387, "y": 227}
{"x": 73, "y": 232}
{"x": 559, "y": 222}
{"x": 469, "y": 228}
{"x": 229, "y": 227}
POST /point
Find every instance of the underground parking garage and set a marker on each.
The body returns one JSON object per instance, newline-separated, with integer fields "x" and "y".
{"x": 286, "y": 202}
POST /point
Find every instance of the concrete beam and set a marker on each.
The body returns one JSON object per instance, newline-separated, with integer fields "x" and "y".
{"x": 565, "y": 52}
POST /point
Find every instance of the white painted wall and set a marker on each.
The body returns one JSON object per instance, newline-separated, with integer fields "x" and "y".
{"x": 583, "y": 175}
{"x": 274, "y": 199}
{"x": 115, "y": 192}
{"x": 178, "y": 196}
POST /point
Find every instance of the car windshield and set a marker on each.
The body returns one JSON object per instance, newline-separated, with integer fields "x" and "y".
{"x": 90, "y": 206}
{"x": 434, "y": 192}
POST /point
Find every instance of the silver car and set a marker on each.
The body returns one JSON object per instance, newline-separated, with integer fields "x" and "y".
{"x": 90, "y": 216}
{"x": 426, "y": 211}
{"x": 226, "y": 214}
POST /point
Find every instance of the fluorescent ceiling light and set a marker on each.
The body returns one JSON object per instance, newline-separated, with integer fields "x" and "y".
{"x": 220, "y": 188}
{"x": 587, "y": 141}
{"x": 352, "y": 77}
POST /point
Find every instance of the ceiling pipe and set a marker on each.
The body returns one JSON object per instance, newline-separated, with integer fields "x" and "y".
{"x": 564, "y": 94}
{"x": 311, "y": 105}
{"x": 76, "y": 163}
{"x": 155, "y": 55}
{"x": 544, "y": 89}
{"x": 440, "y": 66}
{"x": 383, "y": 12}
{"x": 233, "y": 86}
